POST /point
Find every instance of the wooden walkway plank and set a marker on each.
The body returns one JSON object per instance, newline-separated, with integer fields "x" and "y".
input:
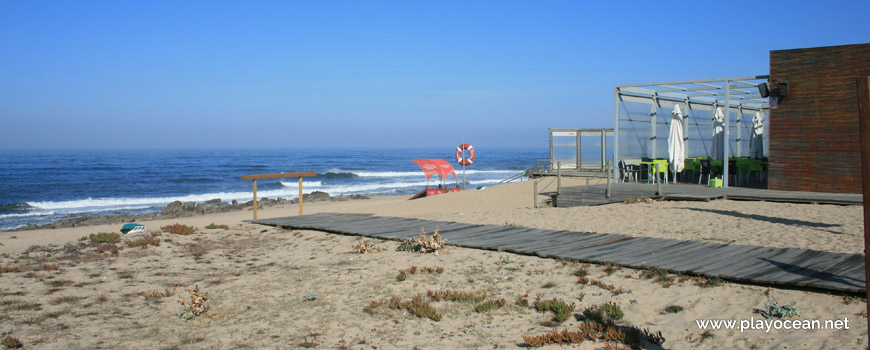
{"x": 777, "y": 266}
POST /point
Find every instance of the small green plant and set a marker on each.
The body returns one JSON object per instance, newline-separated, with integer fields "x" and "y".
{"x": 104, "y": 237}
{"x": 581, "y": 272}
{"x": 11, "y": 343}
{"x": 143, "y": 242}
{"x": 606, "y": 314}
{"x": 708, "y": 282}
{"x": 850, "y": 299}
{"x": 672, "y": 309}
{"x": 774, "y": 310}
{"x": 212, "y": 226}
{"x": 179, "y": 229}
{"x": 310, "y": 297}
{"x": 489, "y": 305}
{"x": 522, "y": 301}
{"x": 549, "y": 284}
{"x": 560, "y": 308}
{"x": 402, "y": 276}
{"x": 195, "y": 306}
{"x": 504, "y": 260}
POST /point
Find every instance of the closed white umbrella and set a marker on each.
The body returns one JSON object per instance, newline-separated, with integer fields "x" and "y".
{"x": 676, "y": 146}
{"x": 717, "y": 150}
{"x": 756, "y": 138}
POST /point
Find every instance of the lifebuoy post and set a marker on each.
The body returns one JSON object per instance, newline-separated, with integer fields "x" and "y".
{"x": 464, "y": 161}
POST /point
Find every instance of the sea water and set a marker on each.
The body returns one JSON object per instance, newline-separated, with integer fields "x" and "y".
{"x": 38, "y": 187}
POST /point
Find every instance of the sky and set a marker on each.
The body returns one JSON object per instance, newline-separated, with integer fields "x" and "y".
{"x": 334, "y": 74}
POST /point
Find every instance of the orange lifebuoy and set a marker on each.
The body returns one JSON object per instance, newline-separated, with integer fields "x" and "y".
{"x": 459, "y": 157}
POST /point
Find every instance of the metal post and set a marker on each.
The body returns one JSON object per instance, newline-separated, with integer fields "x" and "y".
{"x": 726, "y": 141}
{"x": 255, "y": 199}
{"x": 864, "y": 124}
{"x": 551, "y": 150}
{"x": 603, "y": 149}
{"x": 609, "y": 167}
{"x": 658, "y": 183}
{"x": 558, "y": 177}
{"x": 615, "y": 128}
{"x": 653, "y": 110}
{"x": 579, "y": 158}
{"x": 300, "y": 196}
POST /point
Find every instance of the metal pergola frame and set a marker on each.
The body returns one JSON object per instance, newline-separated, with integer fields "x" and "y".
{"x": 738, "y": 92}
{"x": 578, "y": 134}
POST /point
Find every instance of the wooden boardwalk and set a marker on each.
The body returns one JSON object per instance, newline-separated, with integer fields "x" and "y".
{"x": 776, "y": 266}
{"x": 594, "y": 195}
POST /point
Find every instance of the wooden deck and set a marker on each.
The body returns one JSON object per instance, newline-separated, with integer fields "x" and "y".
{"x": 594, "y": 195}
{"x": 775, "y": 266}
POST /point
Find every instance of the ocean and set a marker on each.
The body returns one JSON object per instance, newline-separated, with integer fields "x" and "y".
{"x": 39, "y": 187}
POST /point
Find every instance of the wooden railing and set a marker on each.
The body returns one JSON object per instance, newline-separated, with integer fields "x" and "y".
{"x": 277, "y": 176}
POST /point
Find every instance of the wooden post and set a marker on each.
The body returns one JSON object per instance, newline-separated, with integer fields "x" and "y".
{"x": 864, "y": 124}
{"x": 255, "y": 199}
{"x": 535, "y": 195}
{"x": 277, "y": 176}
{"x": 300, "y": 196}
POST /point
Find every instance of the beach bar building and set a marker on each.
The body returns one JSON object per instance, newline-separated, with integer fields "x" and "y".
{"x": 809, "y": 108}
{"x": 643, "y": 115}
{"x": 814, "y": 135}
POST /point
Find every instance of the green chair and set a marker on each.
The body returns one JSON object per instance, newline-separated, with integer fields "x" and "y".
{"x": 662, "y": 165}
{"x": 693, "y": 165}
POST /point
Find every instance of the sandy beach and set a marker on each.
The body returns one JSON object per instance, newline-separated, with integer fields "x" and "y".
{"x": 280, "y": 289}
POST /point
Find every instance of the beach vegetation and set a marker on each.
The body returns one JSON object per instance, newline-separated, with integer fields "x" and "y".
{"x": 672, "y": 309}
{"x": 144, "y": 242}
{"x": 179, "y": 229}
{"x": 560, "y": 309}
{"x": 489, "y": 305}
{"x": 10, "y": 342}
{"x": 609, "y": 287}
{"x": 111, "y": 248}
{"x": 403, "y": 274}
{"x": 195, "y": 305}
{"x": 156, "y": 295}
{"x": 50, "y": 267}
{"x": 522, "y": 301}
{"x": 549, "y": 284}
{"x": 367, "y": 246}
{"x": 213, "y": 226}
{"x": 105, "y": 237}
{"x": 448, "y": 295}
{"x": 310, "y": 297}
{"x": 424, "y": 243}
{"x": 658, "y": 275}
{"x": 772, "y": 309}
{"x": 851, "y": 299}
{"x": 609, "y": 268}
{"x": 581, "y": 272}
{"x": 7, "y": 269}
{"x": 417, "y": 306}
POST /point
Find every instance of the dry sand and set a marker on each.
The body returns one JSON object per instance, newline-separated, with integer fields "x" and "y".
{"x": 257, "y": 278}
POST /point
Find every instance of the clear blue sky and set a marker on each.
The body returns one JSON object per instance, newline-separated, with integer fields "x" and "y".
{"x": 186, "y": 74}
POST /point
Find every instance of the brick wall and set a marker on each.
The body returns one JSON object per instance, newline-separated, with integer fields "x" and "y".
{"x": 814, "y": 137}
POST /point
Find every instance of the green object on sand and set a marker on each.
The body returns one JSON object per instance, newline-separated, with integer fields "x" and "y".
{"x": 131, "y": 228}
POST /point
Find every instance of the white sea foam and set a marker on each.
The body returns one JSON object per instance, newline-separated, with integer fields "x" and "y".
{"x": 290, "y": 191}
{"x": 420, "y": 173}
{"x": 304, "y": 184}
